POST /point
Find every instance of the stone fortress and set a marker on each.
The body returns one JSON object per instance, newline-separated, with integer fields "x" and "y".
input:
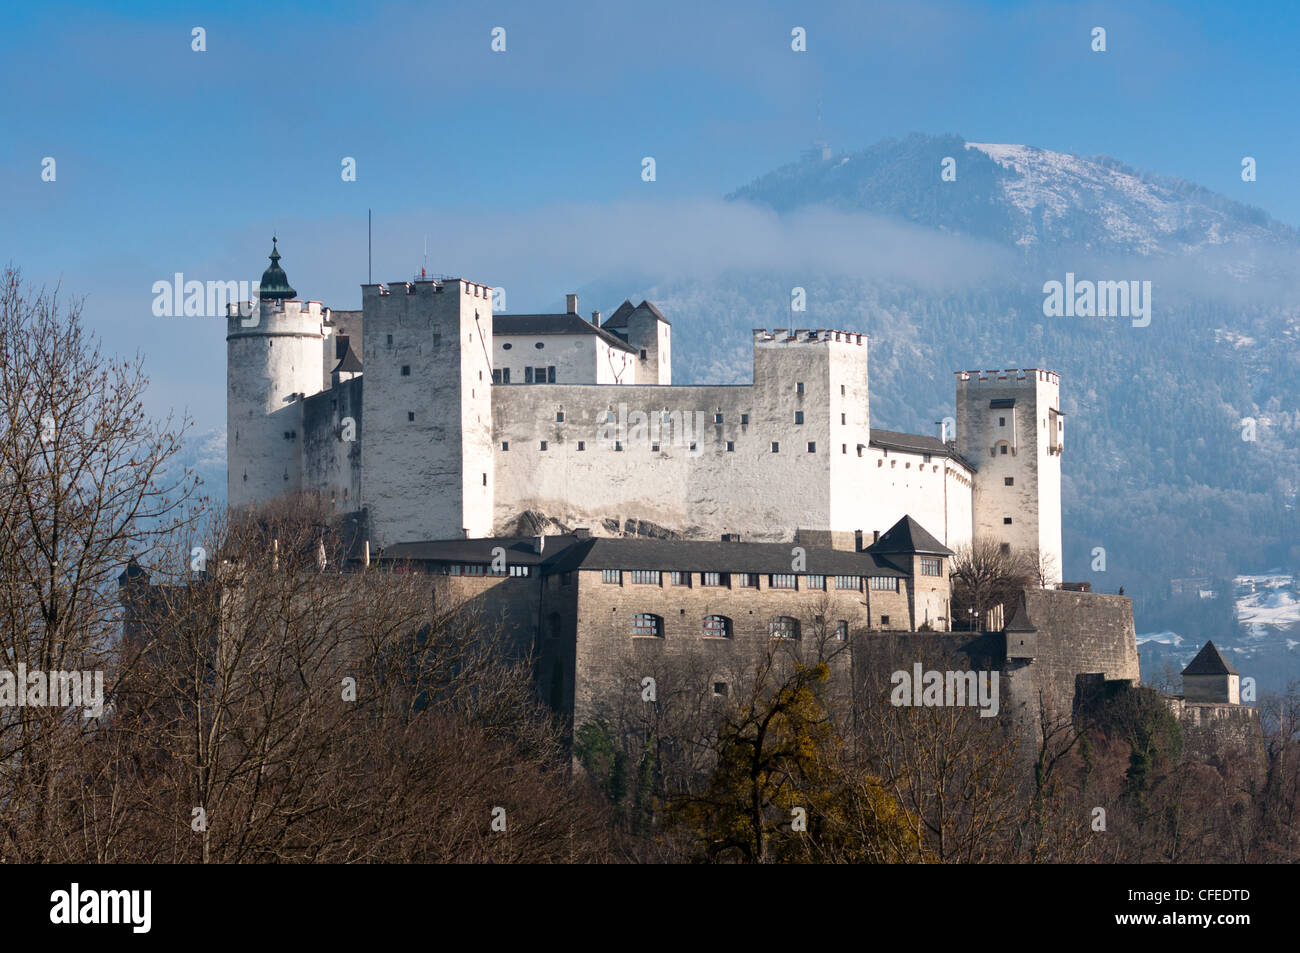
{"x": 545, "y": 469}
{"x": 442, "y": 419}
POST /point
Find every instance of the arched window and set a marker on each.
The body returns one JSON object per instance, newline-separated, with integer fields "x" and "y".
{"x": 783, "y": 627}
{"x": 717, "y": 627}
{"x": 647, "y": 624}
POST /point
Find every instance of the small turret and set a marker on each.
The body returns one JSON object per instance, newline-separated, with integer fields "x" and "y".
{"x": 275, "y": 283}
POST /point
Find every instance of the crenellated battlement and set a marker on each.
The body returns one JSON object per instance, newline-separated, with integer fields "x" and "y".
{"x": 1009, "y": 374}
{"x": 807, "y": 336}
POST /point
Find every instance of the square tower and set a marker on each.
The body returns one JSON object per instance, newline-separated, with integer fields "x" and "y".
{"x": 1011, "y": 429}
{"x": 427, "y": 456}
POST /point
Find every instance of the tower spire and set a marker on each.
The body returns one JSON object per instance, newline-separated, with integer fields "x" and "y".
{"x": 275, "y": 283}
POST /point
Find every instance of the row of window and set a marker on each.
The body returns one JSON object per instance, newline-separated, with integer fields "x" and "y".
{"x": 649, "y": 625}
{"x": 532, "y": 375}
{"x": 472, "y": 569}
{"x": 749, "y": 580}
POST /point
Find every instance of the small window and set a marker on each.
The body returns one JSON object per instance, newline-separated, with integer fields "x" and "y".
{"x": 406, "y": 370}
{"x": 714, "y": 579}
{"x": 647, "y": 625}
{"x": 528, "y": 375}
{"x": 582, "y": 445}
{"x": 1002, "y": 421}
{"x": 781, "y": 581}
{"x": 844, "y": 448}
{"x": 1003, "y": 449}
{"x": 680, "y": 578}
{"x": 559, "y": 416}
{"x": 884, "y": 620}
{"x": 612, "y": 576}
{"x": 884, "y": 583}
{"x": 1008, "y": 481}
{"x": 717, "y": 418}
{"x": 798, "y": 387}
{"x": 776, "y": 447}
{"x": 618, "y": 446}
{"x": 798, "y": 416}
{"x": 848, "y": 582}
{"x": 841, "y": 630}
{"x": 643, "y": 354}
{"x": 745, "y": 580}
{"x": 505, "y": 375}
{"x": 1006, "y": 521}
{"x": 841, "y": 390}
{"x": 844, "y": 418}
{"x": 539, "y": 375}
{"x": 812, "y": 446}
{"x": 550, "y": 375}
{"x": 645, "y": 577}
{"x": 744, "y": 419}
{"x": 507, "y": 346}
{"x": 496, "y": 375}
{"x": 541, "y": 445}
{"x": 692, "y": 446}
{"x": 717, "y": 627}
{"x": 931, "y": 566}
{"x": 720, "y": 689}
{"x": 539, "y": 345}
{"x": 731, "y": 446}
{"x": 505, "y": 444}
{"x": 814, "y": 582}
{"x": 654, "y": 448}
{"x": 390, "y": 340}
{"x": 410, "y": 415}
{"x": 783, "y": 626}
{"x": 484, "y": 483}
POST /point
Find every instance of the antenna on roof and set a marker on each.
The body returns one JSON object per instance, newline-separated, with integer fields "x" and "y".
{"x": 370, "y": 274}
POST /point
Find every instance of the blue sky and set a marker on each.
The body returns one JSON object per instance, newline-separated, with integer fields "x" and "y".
{"x": 171, "y": 160}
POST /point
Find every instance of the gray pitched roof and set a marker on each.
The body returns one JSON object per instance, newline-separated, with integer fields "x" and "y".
{"x": 525, "y": 324}
{"x": 568, "y": 553}
{"x": 915, "y": 443}
{"x": 619, "y": 318}
{"x": 625, "y": 310}
{"x": 1209, "y": 661}
{"x": 349, "y": 363}
{"x": 908, "y": 536}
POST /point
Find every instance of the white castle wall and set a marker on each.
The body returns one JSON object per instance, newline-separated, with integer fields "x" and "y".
{"x": 750, "y": 489}
{"x": 937, "y": 494}
{"x": 1033, "y": 500}
{"x": 269, "y": 363}
{"x": 577, "y": 358}
{"x": 427, "y": 459}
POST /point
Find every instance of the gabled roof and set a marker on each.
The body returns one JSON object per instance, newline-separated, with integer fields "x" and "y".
{"x": 908, "y": 536}
{"x": 625, "y": 310}
{"x": 1209, "y": 661}
{"x": 619, "y": 318}
{"x": 526, "y": 324}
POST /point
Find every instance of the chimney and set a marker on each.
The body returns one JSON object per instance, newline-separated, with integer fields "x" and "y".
{"x": 595, "y": 317}
{"x": 571, "y": 303}
{"x": 857, "y": 540}
{"x": 875, "y": 536}
{"x": 539, "y": 543}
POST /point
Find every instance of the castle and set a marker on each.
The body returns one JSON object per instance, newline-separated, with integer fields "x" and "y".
{"x": 543, "y": 468}
{"x": 440, "y": 419}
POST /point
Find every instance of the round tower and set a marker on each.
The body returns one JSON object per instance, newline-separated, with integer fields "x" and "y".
{"x": 274, "y": 356}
